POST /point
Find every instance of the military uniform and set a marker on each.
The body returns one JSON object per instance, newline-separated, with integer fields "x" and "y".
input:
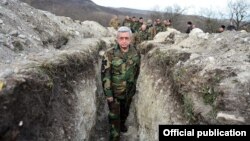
{"x": 119, "y": 75}
{"x": 141, "y": 36}
{"x": 127, "y": 23}
{"x": 133, "y": 26}
{"x": 114, "y": 23}
{"x": 159, "y": 28}
{"x": 136, "y": 27}
{"x": 151, "y": 32}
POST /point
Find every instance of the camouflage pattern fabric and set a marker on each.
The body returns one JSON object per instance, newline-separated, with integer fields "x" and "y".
{"x": 159, "y": 28}
{"x": 114, "y": 23}
{"x": 133, "y": 26}
{"x": 136, "y": 27}
{"x": 118, "y": 113}
{"x": 151, "y": 32}
{"x": 127, "y": 23}
{"x": 114, "y": 120}
{"x": 119, "y": 75}
{"x": 140, "y": 37}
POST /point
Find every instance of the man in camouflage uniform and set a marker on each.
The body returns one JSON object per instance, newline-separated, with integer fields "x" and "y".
{"x": 120, "y": 70}
{"x": 189, "y": 27}
{"x": 126, "y": 22}
{"x": 166, "y": 24}
{"x": 150, "y": 29}
{"x": 158, "y": 26}
{"x": 142, "y": 35}
{"x": 136, "y": 27}
{"x": 114, "y": 22}
{"x": 133, "y": 22}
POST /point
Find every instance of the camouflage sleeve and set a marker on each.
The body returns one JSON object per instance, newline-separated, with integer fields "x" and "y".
{"x": 106, "y": 75}
{"x": 135, "y": 39}
{"x": 135, "y": 27}
{"x": 132, "y": 85}
{"x": 152, "y": 33}
{"x": 111, "y": 23}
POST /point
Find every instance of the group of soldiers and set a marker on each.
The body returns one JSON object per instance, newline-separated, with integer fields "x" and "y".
{"x": 142, "y": 30}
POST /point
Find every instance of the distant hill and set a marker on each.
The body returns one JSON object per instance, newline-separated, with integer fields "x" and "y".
{"x": 134, "y": 11}
{"x": 87, "y": 10}
{"x": 83, "y": 10}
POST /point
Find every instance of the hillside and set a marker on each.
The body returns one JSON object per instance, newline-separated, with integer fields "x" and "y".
{"x": 88, "y": 10}
{"x": 82, "y": 10}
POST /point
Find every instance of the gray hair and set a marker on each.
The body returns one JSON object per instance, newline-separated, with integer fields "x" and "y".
{"x": 123, "y": 29}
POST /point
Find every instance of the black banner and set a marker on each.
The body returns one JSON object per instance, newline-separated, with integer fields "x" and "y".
{"x": 201, "y": 132}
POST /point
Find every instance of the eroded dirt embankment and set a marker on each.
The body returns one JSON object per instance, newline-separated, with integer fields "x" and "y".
{"x": 193, "y": 79}
{"x": 53, "y": 99}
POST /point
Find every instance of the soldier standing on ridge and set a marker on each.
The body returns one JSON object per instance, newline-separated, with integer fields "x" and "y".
{"x": 142, "y": 35}
{"x": 138, "y": 24}
{"x": 190, "y": 27}
{"x": 221, "y": 29}
{"x": 150, "y": 29}
{"x": 133, "y": 22}
{"x": 158, "y": 26}
{"x": 167, "y": 23}
{"x": 120, "y": 70}
{"x": 114, "y": 22}
{"x": 126, "y": 22}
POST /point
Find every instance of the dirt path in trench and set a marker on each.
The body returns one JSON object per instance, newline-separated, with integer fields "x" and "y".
{"x": 101, "y": 130}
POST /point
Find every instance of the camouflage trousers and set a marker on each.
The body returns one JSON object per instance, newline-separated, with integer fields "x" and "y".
{"x": 118, "y": 113}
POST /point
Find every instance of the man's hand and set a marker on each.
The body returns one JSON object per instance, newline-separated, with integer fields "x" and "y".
{"x": 110, "y": 99}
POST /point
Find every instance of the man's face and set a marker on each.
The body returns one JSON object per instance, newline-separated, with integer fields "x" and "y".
{"x": 143, "y": 27}
{"x": 158, "y": 21}
{"x": 124, "y": 40}
{"x": 221, "y": 29}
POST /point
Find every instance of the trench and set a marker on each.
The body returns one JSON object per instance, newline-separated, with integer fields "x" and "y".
{"x": 59, "y": 98}
{"x": 101, "y": 129}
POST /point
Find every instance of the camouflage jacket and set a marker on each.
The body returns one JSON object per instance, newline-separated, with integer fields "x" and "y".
{"x": 141, "y": 36}
{"x": 127, "y": 23}
{"x": 119, "y": 71}
{"x": 151, "y": 32}
{"x": 159, "y": 28}
{"x": 114, "y": 23}
{"x": 136, "y": 27}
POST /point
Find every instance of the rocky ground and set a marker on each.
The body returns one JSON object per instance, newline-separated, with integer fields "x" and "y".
{"x": 48, "y": 66}
{"x": 50, "y": 78}
{"x": 198, "y": 78}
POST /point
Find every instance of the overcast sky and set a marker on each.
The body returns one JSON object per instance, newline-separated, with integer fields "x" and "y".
{"x": 193, "y": 6}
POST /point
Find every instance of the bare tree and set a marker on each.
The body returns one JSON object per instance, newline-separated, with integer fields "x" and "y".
{"x": 156, "y": 13}
{"x": 173, "y": 13}
{"x": 238, "y": 12}
{"x": 211, "y": 22}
